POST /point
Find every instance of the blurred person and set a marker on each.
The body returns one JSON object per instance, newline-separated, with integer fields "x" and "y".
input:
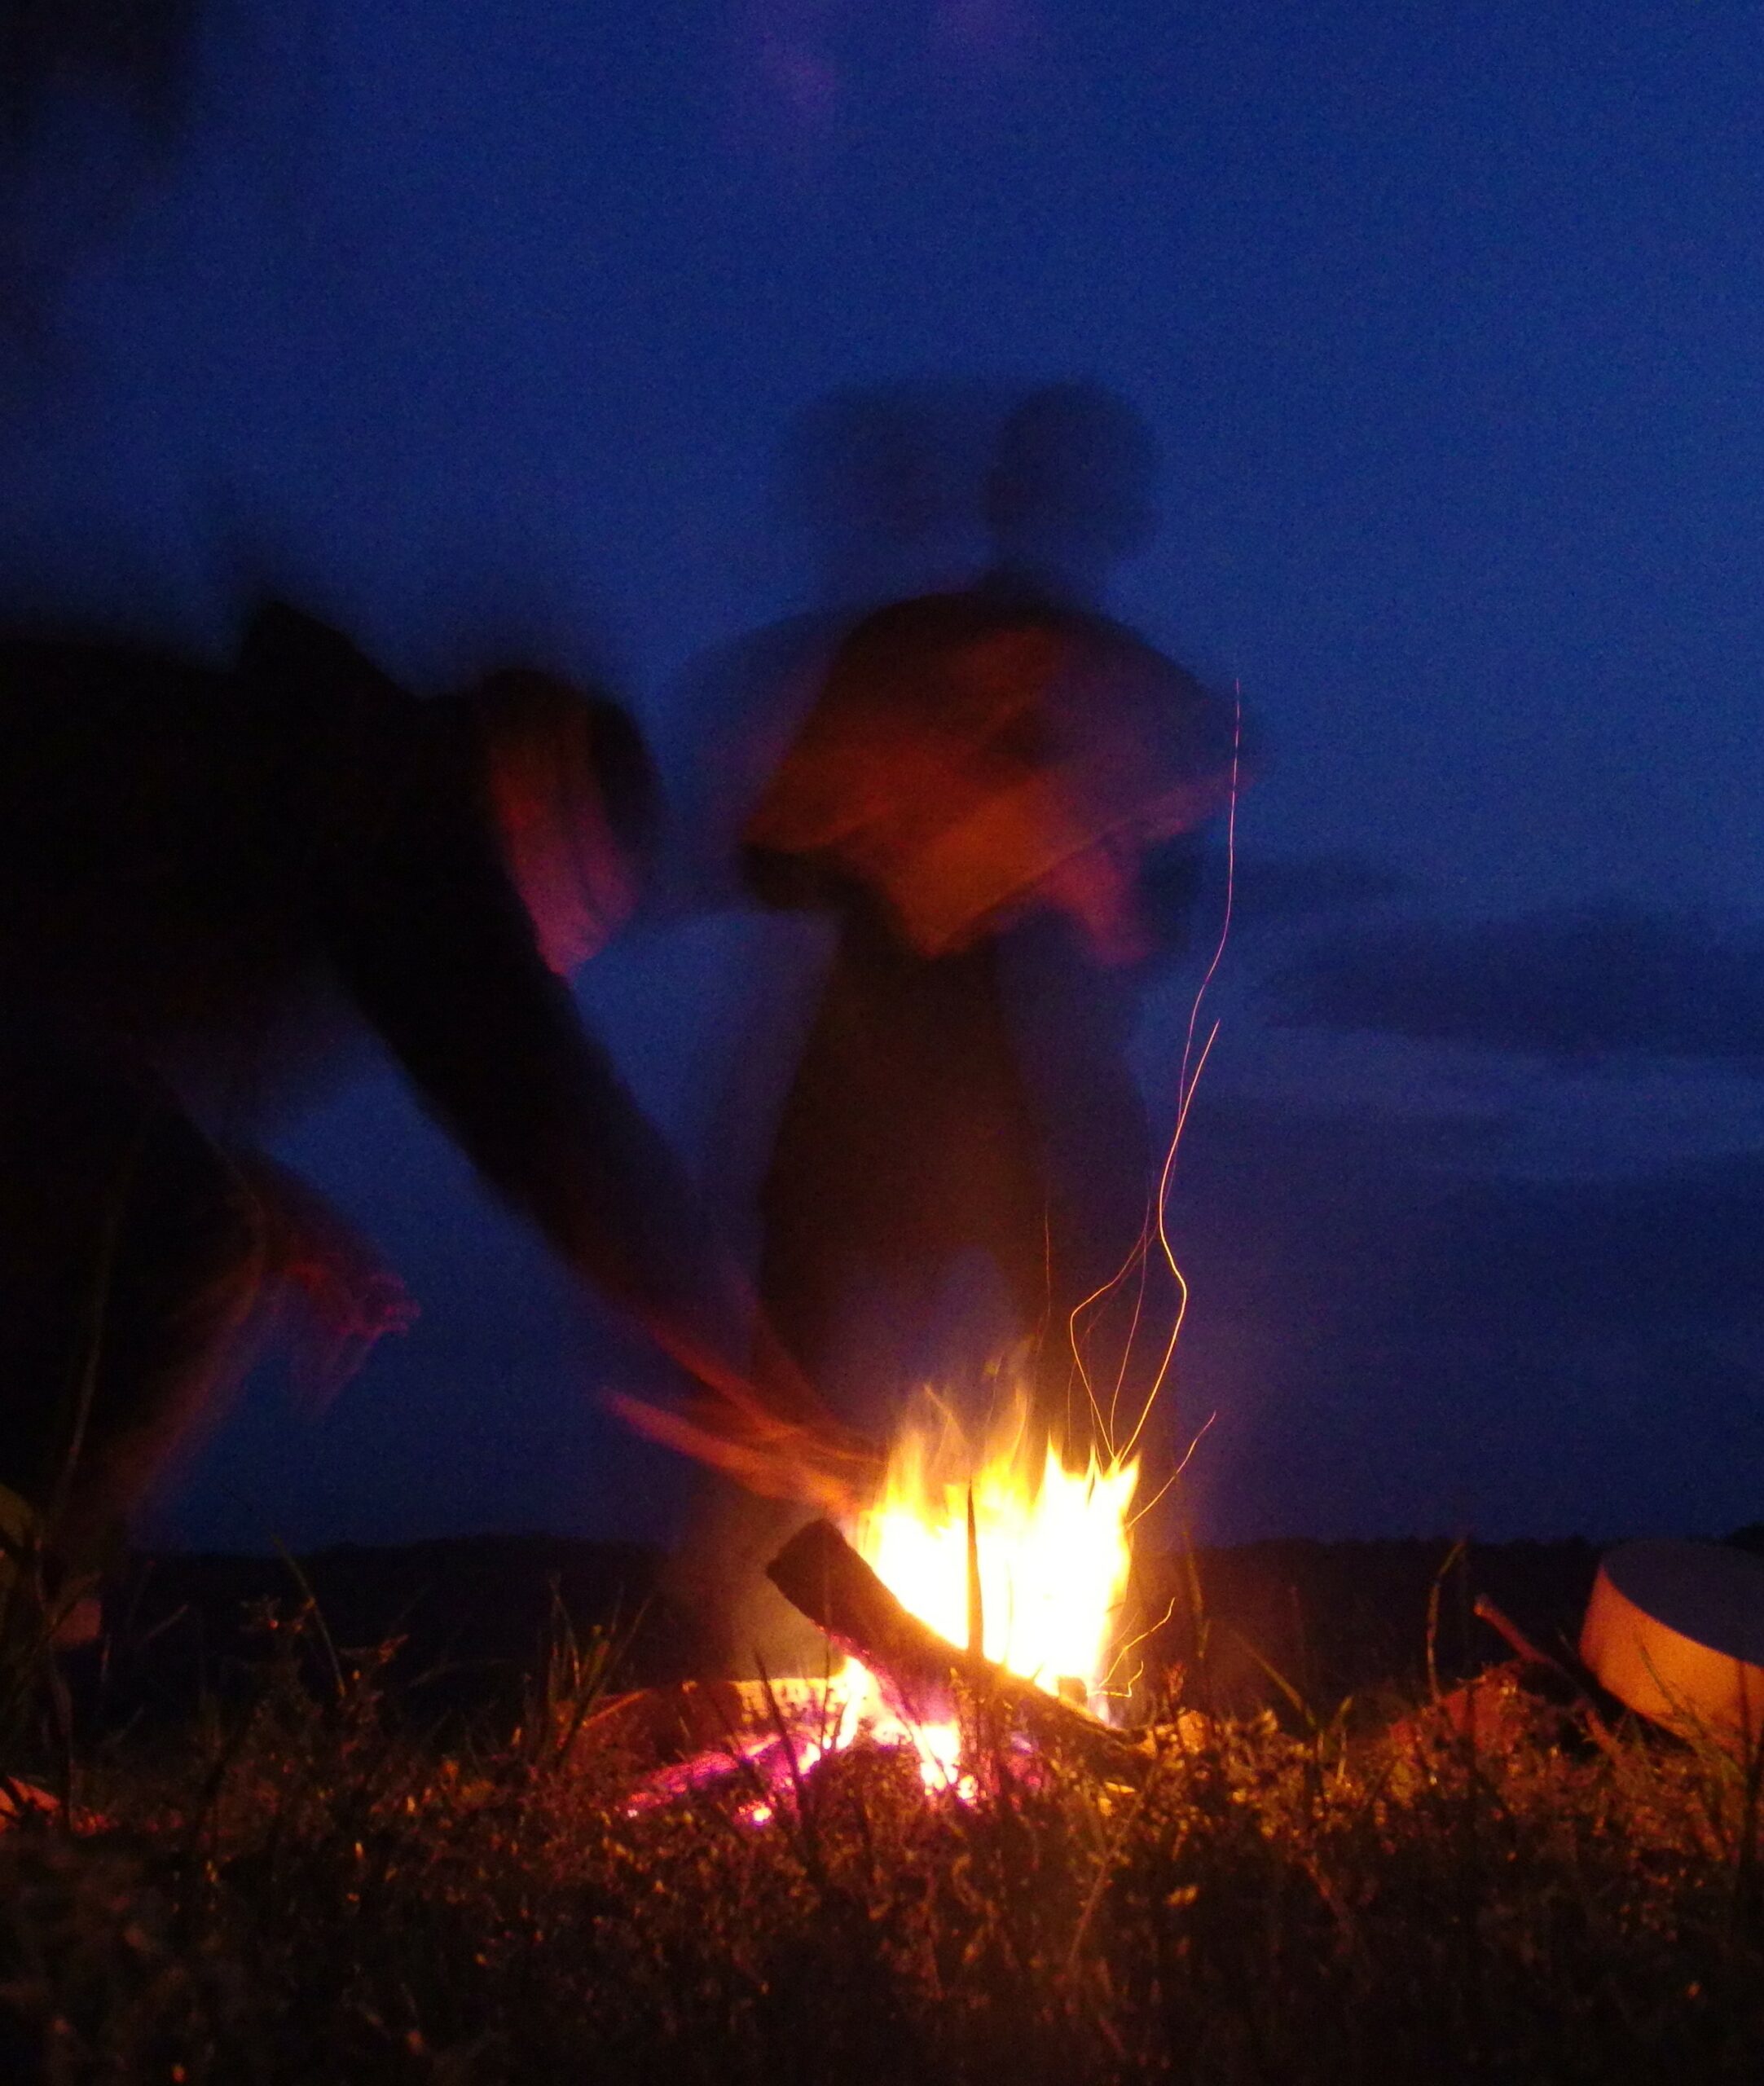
{"x": 876, "y": 486}
{"x": 997, "y": 793}
{"x": 203, "y": 876}
{"x": 992, "y": 797}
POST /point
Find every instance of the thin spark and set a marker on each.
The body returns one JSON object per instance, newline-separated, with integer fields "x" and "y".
{"x": 1133, "y": 1322}
{"x": 1164, "y": 1239}
{"x": 1187, "y": 1082}
{"x": 1186, "y": 1085}
{"x": 1129, "y": 1648}
{"x": 1187, "y": 1457}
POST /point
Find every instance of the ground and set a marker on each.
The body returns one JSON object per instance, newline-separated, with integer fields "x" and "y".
{"x": 313, "y": 1867}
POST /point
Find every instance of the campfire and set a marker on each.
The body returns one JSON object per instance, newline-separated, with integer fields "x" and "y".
{"x": 984, "y": 1587}
{"x": 1012, "y": 1555}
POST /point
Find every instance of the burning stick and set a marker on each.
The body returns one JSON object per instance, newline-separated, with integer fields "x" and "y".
{"x": 819, "y": 1572}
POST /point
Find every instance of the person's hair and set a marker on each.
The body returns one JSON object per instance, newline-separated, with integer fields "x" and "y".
{"x": 535, "y": 723}
{"x": 1078, "y": 458}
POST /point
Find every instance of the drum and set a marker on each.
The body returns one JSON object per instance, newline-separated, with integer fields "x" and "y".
{"x": 1676, "y": 1630}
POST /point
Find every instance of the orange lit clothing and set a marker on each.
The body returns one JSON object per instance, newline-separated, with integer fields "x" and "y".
{"x": 980, "y": 787}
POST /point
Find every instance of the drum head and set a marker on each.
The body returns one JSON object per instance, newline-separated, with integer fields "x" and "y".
{"x": 1676, "y": 1630}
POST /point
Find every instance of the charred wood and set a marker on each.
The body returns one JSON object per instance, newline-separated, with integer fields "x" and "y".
{"x": 820, "y": 1573}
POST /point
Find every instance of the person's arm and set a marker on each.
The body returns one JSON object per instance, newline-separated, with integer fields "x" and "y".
{"x": 418, "y": 913}
{"x": 434, "y": 946}
{"x": 349, "y": 1298}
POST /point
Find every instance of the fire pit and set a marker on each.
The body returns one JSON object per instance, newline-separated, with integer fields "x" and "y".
{"x": 978, "y": 1595}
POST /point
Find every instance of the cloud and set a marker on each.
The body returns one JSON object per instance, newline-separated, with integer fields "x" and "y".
{"x": 1277, "y": 888}
{"x": 1349, "y": 1214}
{"x": 1392, "y": 1346}
{"x": 1665, "y": 1252}
{"x": 1610, "y": 979}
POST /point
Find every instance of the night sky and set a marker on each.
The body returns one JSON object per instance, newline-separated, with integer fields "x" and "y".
{"x": 477, "y": 330}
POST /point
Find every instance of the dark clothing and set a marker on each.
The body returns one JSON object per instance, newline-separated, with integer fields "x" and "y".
{"x": 964, "y": 747}
{"x": 185, "y": 858}
{"x": 132, "y": 1252}
{"x": 908, "y": 1136}
{"x": 185, "y": 854}
{"x": 962, "y": 1096}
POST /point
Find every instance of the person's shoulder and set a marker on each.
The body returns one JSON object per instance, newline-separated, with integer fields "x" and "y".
{"x": 284, "y": 645}
{"x": 1119, "y": 645}
{"x": 912, "y": 637}
{"x": 306, "y": 684}
{"x": 919, "y": 617}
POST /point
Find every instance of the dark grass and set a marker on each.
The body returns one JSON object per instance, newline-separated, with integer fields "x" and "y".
{"x": 471, "y": 1614}
{"x": 309, "y": 1878}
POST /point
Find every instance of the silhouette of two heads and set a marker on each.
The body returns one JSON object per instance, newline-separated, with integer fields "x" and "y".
{"x": 913, "y": 484}
{"x": 1072, "y": 483}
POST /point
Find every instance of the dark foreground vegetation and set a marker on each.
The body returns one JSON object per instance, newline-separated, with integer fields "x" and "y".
{"x": 307, "y": 1875}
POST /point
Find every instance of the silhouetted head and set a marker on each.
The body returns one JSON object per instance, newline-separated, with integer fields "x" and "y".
{"x": 574, "y": 796}
{"x": 1071, "y": 491}
{"x": 880, "y": 476}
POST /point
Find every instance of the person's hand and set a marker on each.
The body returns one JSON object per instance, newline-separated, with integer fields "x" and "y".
{"x": 764, "y": 1425}
{"x": 834, "y": 1470}
{"x": 338, "y": 1297}
{"x": 769, "y": 1431}
{"x": 1097, "y": 889}
{"x": 346, "y": 1302}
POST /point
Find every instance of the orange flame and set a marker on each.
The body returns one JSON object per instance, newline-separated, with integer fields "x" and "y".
{"x": 1053, "y": 1553}
{"x": 1051, "y": 1542}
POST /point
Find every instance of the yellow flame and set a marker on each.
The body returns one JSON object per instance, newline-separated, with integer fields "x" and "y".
{"x": 1052, "y": 1545}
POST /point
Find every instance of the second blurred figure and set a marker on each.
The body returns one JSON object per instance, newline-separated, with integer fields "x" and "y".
{"x": 992, "y": 793}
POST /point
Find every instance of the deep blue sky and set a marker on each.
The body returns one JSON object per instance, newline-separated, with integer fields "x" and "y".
{"x": 477, "y": 328}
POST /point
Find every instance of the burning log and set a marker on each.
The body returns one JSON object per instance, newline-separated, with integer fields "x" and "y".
{"x": 819, "y": 1572}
